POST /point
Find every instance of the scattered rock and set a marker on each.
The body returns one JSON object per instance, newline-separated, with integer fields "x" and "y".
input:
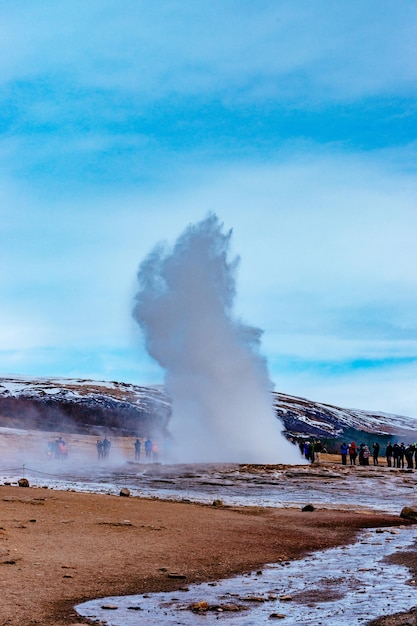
{"x": 277, "y": 616}
{"x": 176, "y": 575}
{"x": 109, "y": 607}
{"x": 200, "y": 607}
{"x": 217, "y": 502}
{"x": 203, "y": 607}
{"x": 23, "y": 482}
{"x": 286, "y": 598}
{"x": 308, "y": 507}
{"x": 409, "y": 513}
{"x": 125, "y": 492}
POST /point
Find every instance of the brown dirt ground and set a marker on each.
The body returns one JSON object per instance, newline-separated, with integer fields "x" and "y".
{"x": 58, "y": 549}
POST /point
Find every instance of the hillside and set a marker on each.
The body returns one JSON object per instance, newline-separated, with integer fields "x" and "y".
{"x": 303, "y": 417}
{"x": 95, "y": 407}
{"x": 77, "y": 405}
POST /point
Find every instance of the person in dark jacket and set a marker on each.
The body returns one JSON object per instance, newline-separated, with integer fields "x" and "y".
{"x": 388, "y": 454}
{"x": 375, "y": 453}
{"x": 401, "y": 455}
{"x": 396, "y": 454}
{"x": 137, "y": 450}
{"x": 409, "y": 455}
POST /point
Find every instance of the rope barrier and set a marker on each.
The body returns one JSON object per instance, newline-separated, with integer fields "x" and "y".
{"x": 23, "y": 468}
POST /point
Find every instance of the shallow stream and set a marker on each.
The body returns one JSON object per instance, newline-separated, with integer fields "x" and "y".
{"x": 350, "y": 583}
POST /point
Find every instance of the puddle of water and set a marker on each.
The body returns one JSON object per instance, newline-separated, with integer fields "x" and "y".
{"x": 350, "y": 582}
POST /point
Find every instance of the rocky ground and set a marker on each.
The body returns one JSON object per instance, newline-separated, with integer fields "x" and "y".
{"x": 58, "y": 549}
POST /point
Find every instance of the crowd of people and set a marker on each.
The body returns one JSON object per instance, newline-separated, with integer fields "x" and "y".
{"x": 311, "y": 450}
{"x": 103, "y": 448}
{"x": 151, "y": 450}
{"x": 396, "y": 455}
{"x": 57, "y": 449}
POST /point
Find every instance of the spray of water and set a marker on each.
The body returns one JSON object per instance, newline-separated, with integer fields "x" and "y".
{"x": 218, "y": 382}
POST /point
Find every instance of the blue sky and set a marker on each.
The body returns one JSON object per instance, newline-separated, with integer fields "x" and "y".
{"x": 294, "y": 121}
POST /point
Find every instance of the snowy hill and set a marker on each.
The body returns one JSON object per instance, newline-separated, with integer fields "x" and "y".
{"x": 301, "y": 416}
{"x": 93, "y": 406}
{"x": 80, "y": 405}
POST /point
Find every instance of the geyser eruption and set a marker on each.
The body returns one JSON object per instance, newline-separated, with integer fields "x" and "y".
{"x": 218, "y": 382}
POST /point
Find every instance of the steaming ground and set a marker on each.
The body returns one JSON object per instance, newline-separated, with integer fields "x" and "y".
{"x": 330, "y": 485}
{"x": 214, "y": 373}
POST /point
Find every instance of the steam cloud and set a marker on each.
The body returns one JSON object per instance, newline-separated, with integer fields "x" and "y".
{"x": 218, "y": 382}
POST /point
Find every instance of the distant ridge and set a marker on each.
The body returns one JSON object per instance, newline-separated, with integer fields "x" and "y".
{"x": 304, "y": 417}
{"x": 81, "y": 405}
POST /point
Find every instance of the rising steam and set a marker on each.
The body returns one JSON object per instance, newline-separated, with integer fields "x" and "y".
{"x": 218, "y": 382}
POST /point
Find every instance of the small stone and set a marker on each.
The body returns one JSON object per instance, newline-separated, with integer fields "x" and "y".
{"x": 286, "y": 598}
{"x": 109, "y": 607}
{"x": 124, "y": 492}
{"x": 308, "y": 508}
{"x": 410, "y": 513}
{"x": 23, "y": 482}
{"x": 379, "y": 530}
{"x": 176, "y": 575}
{"x": 277, "y": 616}
{"x": 217, "y": 502}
